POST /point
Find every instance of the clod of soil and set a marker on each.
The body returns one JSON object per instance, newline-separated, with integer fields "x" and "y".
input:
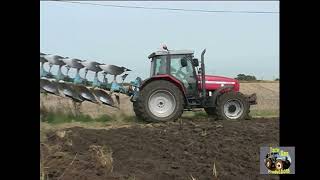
{"x": 161, "y": 152}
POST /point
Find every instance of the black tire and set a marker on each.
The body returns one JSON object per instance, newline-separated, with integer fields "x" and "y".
{"x": 141, "y": 107}
{"x": 286, "y": 164}
{"x": 136, "y": 110}
{"x": 269, "y": 164}
{"x": 236, "y": 97}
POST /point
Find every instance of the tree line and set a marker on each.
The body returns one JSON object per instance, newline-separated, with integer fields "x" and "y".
{"x": 244, "y": 77}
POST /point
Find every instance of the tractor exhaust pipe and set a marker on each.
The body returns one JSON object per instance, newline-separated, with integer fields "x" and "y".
{"x": 204, "y": 94}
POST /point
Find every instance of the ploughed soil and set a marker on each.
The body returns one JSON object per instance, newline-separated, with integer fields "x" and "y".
{"x": 163, "y": 151}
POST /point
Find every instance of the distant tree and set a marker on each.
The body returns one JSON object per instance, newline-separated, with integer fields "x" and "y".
{"x": 277, "y": 79}
{"x": 243, "y": 77}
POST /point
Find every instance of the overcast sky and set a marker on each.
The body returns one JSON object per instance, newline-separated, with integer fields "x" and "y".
{"x": 236, "y": 43}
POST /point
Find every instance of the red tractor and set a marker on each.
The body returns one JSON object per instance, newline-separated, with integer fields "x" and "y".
{"x": 177, "y": 84}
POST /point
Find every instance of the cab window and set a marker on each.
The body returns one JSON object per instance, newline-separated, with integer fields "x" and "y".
{"x": 182, "y": 69}
{"x": 159, "y": 65}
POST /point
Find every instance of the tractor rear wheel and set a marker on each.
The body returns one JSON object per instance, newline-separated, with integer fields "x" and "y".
{"x": 232, "y": 106}
{"x": 136, "y": 109}
{"x": 159, "y": 101}
{"x": 269, "y": 164}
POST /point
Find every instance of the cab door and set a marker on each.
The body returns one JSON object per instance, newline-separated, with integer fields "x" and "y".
{"x": 182, "y": 69}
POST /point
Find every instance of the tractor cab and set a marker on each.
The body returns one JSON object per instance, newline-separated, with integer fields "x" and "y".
{"x": 179, "y": 65}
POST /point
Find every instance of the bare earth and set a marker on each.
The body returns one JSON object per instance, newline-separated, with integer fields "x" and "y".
{"x": 167, "y": 151}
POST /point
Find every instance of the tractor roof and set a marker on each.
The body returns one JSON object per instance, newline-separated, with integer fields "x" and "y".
{"x": 175, "y": 52}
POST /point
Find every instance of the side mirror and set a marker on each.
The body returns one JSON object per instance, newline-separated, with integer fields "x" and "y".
{"x": 184, "y": 62}
{"x": 195, "y": 62}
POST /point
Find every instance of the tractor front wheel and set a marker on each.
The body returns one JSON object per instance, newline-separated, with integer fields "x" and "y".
{"x": 286, "y": 164}
{"x": 232, "y": 106}
{"x": 159, "y": 101}
{"x": 279, "y": 165}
